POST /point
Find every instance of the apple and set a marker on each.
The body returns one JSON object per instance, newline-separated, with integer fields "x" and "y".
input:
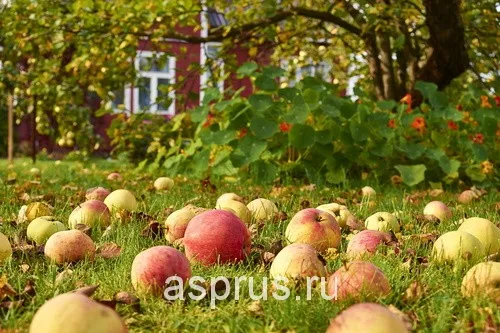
{"x": 237, "y": 208}
{"x": 76, "y": 313}
{"x": 163, "y": 184}
{"x": 35, "y": 171}
{"x": 382, "y": 221}
{"x": 485, "y": 231}
{"x": 69, "y": 246}
{"x": 216, "y": 236}
{"x": 297, "y": 261}
{"x": 96, "y": 193}
{"x": 438, "y": 209}
{"x": 367, "y": 317}
{"x": 152, "y": 267}
{"x": 177, "y": 222}
{"x": 467, "y": 196}
{"x": 366, "y": 242}
{"x": 115, "y": 176}
{"x": 314, "y": 227}
{"x": 340, "y": 212}
{"x": 195, "y": 210}
{"x": 457, "y": 245}
{"x": 262, "y": 209}
{"x": 5, "y": 248}
{"x": 121, "y": 200}
{"x": 358, "y": 280}
{"x": 91, "y": 213}
{"x": 38, "y": 209}
{"x": 41, "y": 228}
{"x": 228, "y": 197}
{"x": 368, "y": 191}
{"x": 483, "y": 279}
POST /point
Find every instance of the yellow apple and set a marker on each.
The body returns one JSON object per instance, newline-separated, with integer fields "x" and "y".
{"x": 121, "y": 200}
{"x": 237, "y": 208}
{"x": 483, "y": 279}
{"x": 382, "y": 221}
{"x": 262, "y": 209}
{"x": 457, "y": 245}
{"x": 297, "y": 261}
{"x": 5, "y": 248}
{"x": 163, "y": 184}
{"x": 485, "y": 231}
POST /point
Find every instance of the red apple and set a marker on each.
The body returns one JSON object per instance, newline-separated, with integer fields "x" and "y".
{"x": 314, "y": 227}
{"x": 216, "y": 236}
{"x": 96, "y": 193}
{"x": 366, "y": 242}
{"x": 152, "y": 267}
{"x": 357, "y": 280}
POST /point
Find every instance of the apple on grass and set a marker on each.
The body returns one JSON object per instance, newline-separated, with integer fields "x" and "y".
{"x": 152, "y": 267}
{"x": 228, "y": 197}
{"x": 367, "y": 317}
{"x": 163, "y": 184}
{"x": 484, "y": 230}
{"x": 297, "y": 261}
{"x": 177, "y": 222}
{"x": 96, "y": 193}
{"x": 358, "y": 280}
{"x": 314, "y": 227}
{"x": 5, "y": 248}
{"x": 368, "y": 191}
{"x": 115, "y": 176}
{"x": 69, "y": 246}
{"x": 76, "y": 313}
{"x": 382, "y": 221}
{"x": 237, "y": 208}
{"x": 457, "y": 245}
{"x": 262, "y": 209}
{"x": 366, "y": 242}
{"x": 216, "y": 236}
{"x": 483, "y": 279}
{"x": 91, "y": 213}
{"x": 41, "y": 228}
{"x": 437, "y": 209}
{"x": 342, "y": 215}
{"x": 121, "y": 200}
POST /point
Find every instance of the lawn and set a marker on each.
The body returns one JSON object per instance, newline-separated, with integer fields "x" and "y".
{"x": 427, "y": 293}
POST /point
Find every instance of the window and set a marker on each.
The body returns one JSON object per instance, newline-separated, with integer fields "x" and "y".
{"x": 152, "y": 92}
{"x": 212, "y": 66}
{"x": 320, "y": 70}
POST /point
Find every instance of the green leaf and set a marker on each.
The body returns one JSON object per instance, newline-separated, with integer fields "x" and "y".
{"x": 302, "y": 136}
{"x": 324, "y": 137}
{"x": 475, "y": 173}
{"x": 199, "y": 114}
{"x": 225, "y": 168}
{"x": 263, "y": 128}
{"x": 438, "y": 99}
{"x": 250, "y": 149}
{"x": 449, "y": 166}
{"x": 260, "y": 102}
{"x": 247, "y": 68}
{"x": 298, "y": 113}
{"x": 266, "y": 83}
{"x": 387, "y": 105}
{"x": 412, "y": 174}
{"x": 210, "y": 94}
{"x": 264, "y": 172}
{"x": 288, "y": 93}
{"x": 200, "y": 162}
{"x": 358, "y": 130}
{"x": 311, "y": 97}
{"x": 426, "y": 88}
{"x": 273, "y": 72}
{"x": 223, "y": 137}
{"x": 335, "y": 176}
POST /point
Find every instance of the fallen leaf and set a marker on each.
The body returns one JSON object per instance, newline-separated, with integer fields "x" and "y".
{"x": 62, "y": 276}
{"x": 256, "y": 308}
{"x": 124, "y": 297}
{"x": 414, "y": 292}
{"x": 153, "y": 230}
{"x": 109, "y": 250}
{"x": 6, "y": 289}
{"x": 24, "y": 268}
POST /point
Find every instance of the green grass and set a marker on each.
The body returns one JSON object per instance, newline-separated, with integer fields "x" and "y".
{"x": 440, "y": 309}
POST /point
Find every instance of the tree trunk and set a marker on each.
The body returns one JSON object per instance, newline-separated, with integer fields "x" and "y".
{"x": 10, "y": 129}
{"x": 33, "y": 130}
{"x": 374, "y": 66}
{"x": 449, "y": 57}
{"x": 387, "y": 67}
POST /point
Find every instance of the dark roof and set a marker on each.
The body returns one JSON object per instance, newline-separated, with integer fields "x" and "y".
{"x": 215, "y": 19}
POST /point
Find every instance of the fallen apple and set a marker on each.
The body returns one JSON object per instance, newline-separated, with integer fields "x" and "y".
{"x": 5, "y": 248}
{"x": 262, "y": 209}
{"x": 238, "y": 208}
{"x": 121, "y": 200}
{"x": 467, "y": 196}
{"x": 483, "y": 279}
{"x": 96, "y": 193}
{"x": 163, "y": 184}
{"x": 228, "y": 197}
{"x": 382, "y": 221}
{"x": 69, "y": 246}
{"x": 76, "y": 313}
{"x": 366, "y": 242}
{"x": 177, "y": 222}
{"x": 38, "y": 209}
{"x": 152, "y": 267}
{"x": 368, "y": 191}
{"x": 367, "y": 317}
{"x": 314, "y": 227}
{"x": 437, "y": 209}
{"x": 457, "y": 245}
{"x": 358, "y": 280}
{"x": 297, "y": 261}
{"x": 485, "y": 231}
{"x": 35, "y": 171}
{"x": 92, "y": 213}
{"x": 340, "y": 212}
{"x": 115, "y": 176}
{"x": 216, "y": 236}
{"x": 41, "y": 228}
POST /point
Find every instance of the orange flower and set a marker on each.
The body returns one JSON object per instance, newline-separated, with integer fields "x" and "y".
{"x": 209, "y": 121}
{"x": 487, "y": 167}
{"x": 460, "y": 107}
{"x": 407, "y": 100}
{"x": 419, "y": 124}
{"x": 242, "y": 133}
{"x": 391, "y": 123}
{"x": 485, "y": 103}
{"x": 452, "y": 125}
{"x": 285, "y": 127}
{"x": 478, "y": 138}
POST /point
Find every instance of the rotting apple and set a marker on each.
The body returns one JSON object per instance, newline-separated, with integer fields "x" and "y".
{"x": 238, "y": 208}
{"x": 96, "y": 193}
{"x": 314, "y": 227}
{"x": 115, "y": 176}
{"x": 228, "y": 197}
{"x": 368, "y": 191}
{"x": 366, "y": 242}
{"x": 467, "y": 196}
{"x": 342, "y": 215}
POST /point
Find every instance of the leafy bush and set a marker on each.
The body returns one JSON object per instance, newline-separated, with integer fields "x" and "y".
{"x": 310, "y": 131}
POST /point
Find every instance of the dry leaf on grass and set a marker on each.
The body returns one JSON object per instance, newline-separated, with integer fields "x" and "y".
{"x": 109, "y": 250}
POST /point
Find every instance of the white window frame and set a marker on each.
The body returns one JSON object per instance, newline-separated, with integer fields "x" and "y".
{"x": 299, "y": 72}
{"x": 153, "y": 76}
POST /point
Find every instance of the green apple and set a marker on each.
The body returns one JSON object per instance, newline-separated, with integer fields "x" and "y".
{"x": 163, "y": 184}
{"x": 340, "y": 212}
{"x": 262, "y": 209}
{"x": 237, "y": 208}
{"x": 483, "y": 279}
{"x": 382, "y": 221}
{"x": 485, "y": 231}
{"x": 121, "y": 200}
{"x": 5, "y": 248}
{"x": 91, "y": 213}
{"x": 228, "y": 197}
{"x": 297, "y": 261}
{"x": 41, "y": 228}
{"x": 457, "y": 245}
